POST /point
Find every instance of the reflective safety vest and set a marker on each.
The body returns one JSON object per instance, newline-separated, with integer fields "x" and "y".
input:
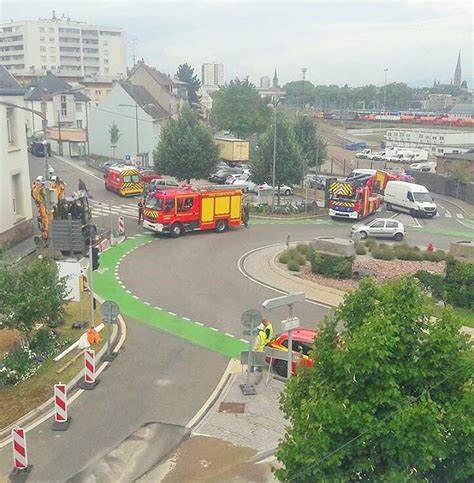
{"x": 262, "y": 340}
{"x": 269, "y": 332}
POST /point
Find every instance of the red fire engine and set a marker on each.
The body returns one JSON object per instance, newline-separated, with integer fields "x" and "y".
{"x": 356, "y": 200}
{"x": 177, "y": 210}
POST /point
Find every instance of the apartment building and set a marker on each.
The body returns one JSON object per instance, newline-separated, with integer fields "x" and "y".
{"x": 16, "y": 223}
{"x": 212, "y": 75}
{"x": 63, "y": 46}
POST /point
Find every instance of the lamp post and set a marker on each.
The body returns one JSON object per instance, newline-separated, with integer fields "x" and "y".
{"x": 274, "y": 107}
{"x": 303, "y": 70}
{"x": 384, "y": 96}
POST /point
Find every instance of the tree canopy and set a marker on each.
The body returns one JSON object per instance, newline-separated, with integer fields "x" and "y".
{"x": 312, "y": 145}
{"x": 389, "y": 399}
{"x": 238, "y": 108}
{"x": 186, "y": 74}
{"x": 31, "y": 293}
{"x": 290, "y": 163}
{"x": 186, "y": 149}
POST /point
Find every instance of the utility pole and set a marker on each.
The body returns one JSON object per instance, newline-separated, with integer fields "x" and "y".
{"x": 274, "y": 154}
{"x": 87, "y": 128}
{"x": 303, "y": 70}
{"x": 60, "y": 143}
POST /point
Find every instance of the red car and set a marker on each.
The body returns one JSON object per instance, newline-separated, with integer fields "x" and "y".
{"x": 147, "y": 175}
{"x": 302, "y": 344}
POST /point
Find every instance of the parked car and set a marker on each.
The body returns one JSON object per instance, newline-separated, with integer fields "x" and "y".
{"x": 284, "y": 189}
{"x": 302, "y": 344}
{"x": 162, "y": 183}
{"x": 147, "y": 175}
{"x": 247, "y": 185}
{"x": 221, "y": 176}
{"x": 318, "y": 182}
{"x": 36, "y": 148}
{"x": 379, "y": 228}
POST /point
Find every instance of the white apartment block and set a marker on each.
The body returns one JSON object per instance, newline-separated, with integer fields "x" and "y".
{"x": 64, "y": 47}
{"x": 212, "y": 75}
{"x": 436, "y": 141}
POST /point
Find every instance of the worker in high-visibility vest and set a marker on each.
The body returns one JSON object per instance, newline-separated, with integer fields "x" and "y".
{"x": 260, "y": 339}
{"x": 93, "y": 336}
{"x": 268, "y": 328}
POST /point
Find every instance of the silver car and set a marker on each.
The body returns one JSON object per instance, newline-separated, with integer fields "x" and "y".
{"x": 379, "y": 228}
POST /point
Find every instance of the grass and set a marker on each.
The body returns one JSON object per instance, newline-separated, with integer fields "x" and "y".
{"x": 16, "y": 401}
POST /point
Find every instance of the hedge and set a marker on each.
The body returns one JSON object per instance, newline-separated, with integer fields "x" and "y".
{"x": 332, "y": 266}
{"x": 459, "y": 283}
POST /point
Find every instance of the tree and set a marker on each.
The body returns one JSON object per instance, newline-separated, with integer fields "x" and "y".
{"x": 290, "y": 165}
{"x": 186, "y": 149}
{"x": 31, "y": 293}
{"x": 238, "y": 108}
{"x": 464, "y": 84}
{"x": 389, "y": 399}
{"x": 312, "y": 145}
{"x": 114, "y": 132}
{"x": 186, "y": 74}
{"x": 460, "y": 171}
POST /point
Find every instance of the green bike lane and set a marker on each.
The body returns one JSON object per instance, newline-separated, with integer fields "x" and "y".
{"x": 108, "y": 286}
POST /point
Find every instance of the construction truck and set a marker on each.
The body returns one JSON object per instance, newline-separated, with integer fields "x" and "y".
{"x": 62, "y": 210}
{"x": 358, "y": 197}
{"x": 178, "y": 210}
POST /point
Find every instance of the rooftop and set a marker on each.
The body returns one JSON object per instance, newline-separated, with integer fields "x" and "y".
{"x": 430, "y": 130}
{"x": 462, "y": 109}
{"x": 145, "y": 100}
{"x": 9, "y": 86}
{"x": 49, "y": 85}
{"x": 469, "y": 156}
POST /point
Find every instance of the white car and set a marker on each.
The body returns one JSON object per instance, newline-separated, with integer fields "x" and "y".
{"x": 284, "y": 189}
{"x": 247, "y": 185}
{"x": 379, "y": 228}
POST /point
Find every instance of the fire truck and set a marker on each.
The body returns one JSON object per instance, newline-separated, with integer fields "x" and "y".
{"x": 357, "y": 198}
{"x": 182, "y": 209}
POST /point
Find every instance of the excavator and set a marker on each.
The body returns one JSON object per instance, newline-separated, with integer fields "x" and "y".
{"x": 61, "y": 207}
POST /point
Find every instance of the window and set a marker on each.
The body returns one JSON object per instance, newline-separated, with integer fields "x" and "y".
{"x": 392, "y": 224}
{"x": 51, "y": 30}
{"x": 63, "y": 106}
{"x": 11, "y": 126}
{"x": 106, "y": 70}
{"x": 185, "y": 204}
{"x": 378, "y": 224}
{"x": 42, "y": 39}
{"x": 53, "y": 58}
{"x": 79, "y": 123}
{"x": 410, "y": 196}
{"x": 106, "y": 61}
{"x": 43, "y": 107}
{"x": 78, "y": 107}
{"x": 17, "y": 199}
{"x": 41, "y": 29}
{"x": 43, "y": 58}
{"x": 52, "y": 49}
{"x": 42, "y": 49}
{"x": 106, "y": 43}
{"x": 97, "y": 92}
{"x": 51, "y": 39}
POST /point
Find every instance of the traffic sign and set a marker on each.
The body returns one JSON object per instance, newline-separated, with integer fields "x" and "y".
{"x": 251, "y": 318}
{"x": 109, "y": 309}
{"x": 289, "y": 299}
{"x": 291, "y": 324}
{"x": 127, "y": 157}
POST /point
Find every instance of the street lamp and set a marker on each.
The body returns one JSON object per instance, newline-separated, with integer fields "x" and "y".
{"x": 384, "y": 96}
{"x": 303, "y": 70}
{"x": 274, "y": 105}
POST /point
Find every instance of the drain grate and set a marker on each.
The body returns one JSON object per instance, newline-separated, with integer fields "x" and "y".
{"x": 231, "y": 407}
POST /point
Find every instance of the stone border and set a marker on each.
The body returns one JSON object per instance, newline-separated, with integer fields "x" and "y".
{"x": 287, "y": 218}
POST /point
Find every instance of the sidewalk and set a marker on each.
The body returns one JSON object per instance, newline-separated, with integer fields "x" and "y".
{"x": 466, "y": 208}
{"x": 20, "y": 250}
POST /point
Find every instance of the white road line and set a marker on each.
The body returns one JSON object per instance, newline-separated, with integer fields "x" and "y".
{"x": 147, "y": 303}
{"x": 417, "y": 223}
{"x": 243, "y": 340}
{"x": 214, "y": 329}
{"x": 172, "y": 313}
{"x": 135, "y": 297}
{"x": 448, "y": 214}
{"x": 185, "y": 318}
{"x": 460, "y": 215}
{"x": 229, "y": 335}
{"x": 199, "y": 323}
{"x": 157, "y": 308}
{"x": 128, "y": 291}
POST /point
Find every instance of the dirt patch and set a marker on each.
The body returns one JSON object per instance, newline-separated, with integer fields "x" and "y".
{"x": 212, "y": 460}
{"x": 383, "y": 270}
{"x": 8, "y": 340}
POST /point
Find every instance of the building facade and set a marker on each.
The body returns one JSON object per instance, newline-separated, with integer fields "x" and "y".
{"x": 212, "y": 75}
{"x": 440, "y": 102}
{"x": 445, "y": 164}
{"x": 265, "y": 82}
{"x": 436, "y": 141}
{"x": 16, "y": 223}
{"x": 62, "y": 45}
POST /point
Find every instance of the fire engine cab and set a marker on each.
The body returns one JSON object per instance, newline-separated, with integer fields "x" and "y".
{"x": 177, "y": 210}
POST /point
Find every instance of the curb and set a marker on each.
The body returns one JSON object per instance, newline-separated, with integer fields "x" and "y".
{"x": 287, "y": 218}
{"x": 459, "y": 207}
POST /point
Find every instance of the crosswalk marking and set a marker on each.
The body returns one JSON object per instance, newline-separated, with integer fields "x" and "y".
{"x": 459, "y": 215}
{"x": 448, "y": 214}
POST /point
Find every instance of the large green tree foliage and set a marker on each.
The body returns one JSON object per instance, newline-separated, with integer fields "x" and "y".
{"x": 31, "y": 293}
{"x": 238, "y": 108}
{"x": 312, "y": 145}
{"x": 290, "y": 164}
{"x": 186, "y": 149}
{"x": 389, "y": 399}
{"x": 186, "y": 74}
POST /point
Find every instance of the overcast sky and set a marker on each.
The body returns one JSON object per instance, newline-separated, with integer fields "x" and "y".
{"x": 338, "y": 42}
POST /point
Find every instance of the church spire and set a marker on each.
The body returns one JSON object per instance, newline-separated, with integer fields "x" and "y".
{"x": 458, "y": 72}
{"x": 275, "y": 80}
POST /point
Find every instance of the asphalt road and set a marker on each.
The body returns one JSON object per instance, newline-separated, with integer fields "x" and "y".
{"x": 159, "y": 377}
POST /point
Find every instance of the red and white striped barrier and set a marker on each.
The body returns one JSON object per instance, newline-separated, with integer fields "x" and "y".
{"x": 61, "y": 420}
{"x": 90, "y": 380}
{"x": 121, "y": 225}
{"x": 20, "y": 455}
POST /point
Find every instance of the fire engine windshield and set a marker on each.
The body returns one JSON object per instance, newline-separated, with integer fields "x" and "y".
{"x": 154, "y": 203}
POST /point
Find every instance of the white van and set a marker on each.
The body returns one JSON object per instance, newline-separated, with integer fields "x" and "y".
{"x": 413, "y": 198}
{"x": 423, "y": 167}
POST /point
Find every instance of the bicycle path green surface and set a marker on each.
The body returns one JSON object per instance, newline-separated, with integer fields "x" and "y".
{"x": 107, "y": 286}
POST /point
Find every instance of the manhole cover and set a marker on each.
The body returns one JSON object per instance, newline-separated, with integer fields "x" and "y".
{"x": 230, "y": 407}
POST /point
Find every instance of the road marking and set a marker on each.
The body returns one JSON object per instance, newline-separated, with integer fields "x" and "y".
{"x": 243, "y": 340}
{"x": 460, "y": 215}
{"x": 416, "y": 222}
{"x": 213, "y": 328}
{"x": 199, "y": 323}
{"x": 157, "y": 308}
{"x": 135, "y": 297}
{"x": 147, "y": 303}
{"x": 172, "y": 313}
{"x": 448, "y": 214}
{"x": 128, "y": 291}
{"x": 229, "y": 335}
{"x": 185, "y": 318}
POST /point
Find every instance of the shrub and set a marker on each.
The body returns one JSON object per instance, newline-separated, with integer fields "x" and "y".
{"x": 459, "y": 283}
{"x": 360, "y": 248}
{"x": 304, "y": 249}
{"x": 284, "y": 257}
{"x": 406, "y": 252}
{"x": 370, "y": 243}
{"x": 383, "y": 253}
{"x": 332, "y": 266}
{"x": 18, "y": 366}
{"x": 292, "y": 254}
{"x": 431, "y": 282}
{"x": 293, "y": 266}
{"x": 437, "y": 256}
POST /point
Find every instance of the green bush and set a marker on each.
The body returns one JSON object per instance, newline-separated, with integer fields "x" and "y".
{"x": 407, "y": 252}
{"x": 360, "y": 248}
{"x": 437, "y": 256}
{"x": 459, "y": 283}
{"x": 305, "y": 250}
{"x": 284, "y": 257}
{"x": 332, "y": 266}
{"x": 292, "y": 254}
{"x": 432, "y": 282}
{"x": 383, "y": 253}
{"x": 293, "y": 266}
{"x": 370, "y": 243}
{"x": 18, "y": 366}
